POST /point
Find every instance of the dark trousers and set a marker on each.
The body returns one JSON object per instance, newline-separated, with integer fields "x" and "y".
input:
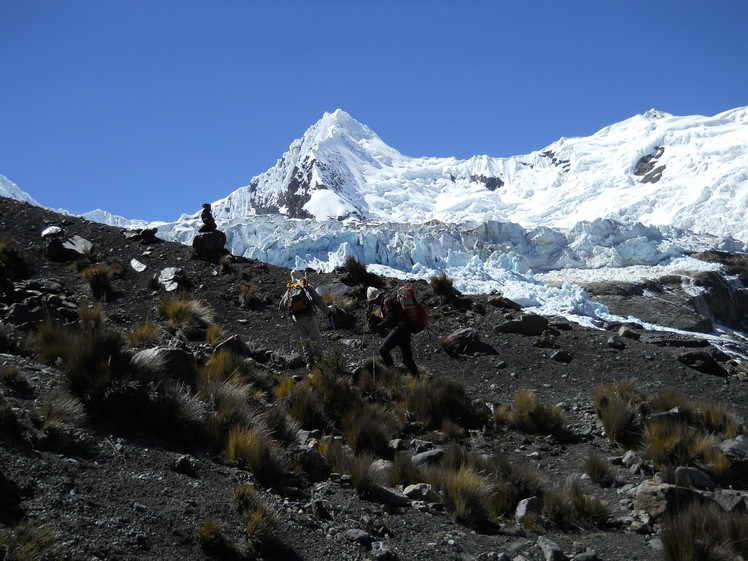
{"x": 398, "y": 337}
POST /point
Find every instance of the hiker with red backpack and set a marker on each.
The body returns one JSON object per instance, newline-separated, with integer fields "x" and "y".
{"x": 302, "y": 302}
{"x": 402, "y": 316}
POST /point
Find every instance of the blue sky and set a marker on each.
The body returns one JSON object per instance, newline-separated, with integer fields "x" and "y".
{"x": 148, "y": 108}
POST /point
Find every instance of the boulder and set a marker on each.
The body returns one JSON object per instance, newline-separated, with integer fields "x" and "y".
{"x": 172, "y": 279}
{"x": 525, "y": 324}
{"x": 657, "y": 498}
{"x": 505, "y": 303}
{"x": 467, "y": 341}
{"x": 209, "y": 244}
{"x": 703, "y": 362}
{"x": 428, "y": 458}
{"x": 532, "y": 506}
{"x": 70, "y": 249}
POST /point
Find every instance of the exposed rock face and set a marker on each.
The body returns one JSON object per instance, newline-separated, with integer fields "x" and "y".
{"x": 70, "y": 249}
{"x": 648, "y": 168}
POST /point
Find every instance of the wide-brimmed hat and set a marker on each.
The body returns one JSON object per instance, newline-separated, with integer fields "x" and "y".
{"x": 372, "y": 293}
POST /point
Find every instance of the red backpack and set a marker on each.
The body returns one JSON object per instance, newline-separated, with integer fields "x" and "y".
{"x": 413, "y": 309}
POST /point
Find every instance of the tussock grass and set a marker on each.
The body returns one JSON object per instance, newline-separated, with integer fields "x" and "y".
{"x": 212, "y": 541}
{"x": 335, "y": 452}
{"x": 27, "y": 542}
{"x": 528, "y": 414}
{"x": 369, "y": 428}
{"x": 145, "y": 335}
{"x": 432, "y": 401}
{"x": 569, "y": 508}
{"x": 282, "y": 426}
{"x": 616, "y": 408}
{"x": 250, "y": 296}
{"x": 15, "y": 379}
{"x": 714, "y": 416}
{"x": 599, "y": 470}
{"x": 191, "y": 317}
{"x": 469, "y": 494}
{"x": 403, "y": 471}
{"x": 442, "y": 285}
{"x": 261, "y": 522}
{"x": 362, "y": 479}
{"x": 61, "y": 411}
{"x": 257, "y": 452}
{"x": 99, "y": 278}
{"x": 705, "y": 532}
{"x": 669, "y": 441}
{"x": 91, "y": 317}
{"x": 214, "y": 334}
{"x": 358, "y": 273}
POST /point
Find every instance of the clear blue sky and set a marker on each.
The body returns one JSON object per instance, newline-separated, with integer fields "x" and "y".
{"x": 148, "y": 108}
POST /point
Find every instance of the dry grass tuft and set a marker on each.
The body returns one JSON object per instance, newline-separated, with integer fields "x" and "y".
{"x": 528, "y": 414}
{"x": 334, "y": 451}
{"x": 714, "y": 416}
{"x": 469, "y": 494}
{"x": 212, "y": 541}
{"x": 369, "y": 428}
{"x": 257, "y": 452}
{"x": 442, "y": 285}
{"x": 99, "y": 278}
{"x": 191, "y": 317}
{"x": 432, "y": 401}
{"x": 261, "y": 522}
{"x": 705, "y": 532}
{"x": 599, "y": 470}
{"x": 26, "y": 542}
{"x": 569, "y": 508}
{"x": 145, "y": 335}
{"x": 615, "y": 406}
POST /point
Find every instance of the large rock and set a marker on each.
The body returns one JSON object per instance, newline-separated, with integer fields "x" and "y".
{"x": 525, "y": 324}
{"x": 466, "y": 340}
{"x": 172, "y": 279}
{"x": 70, "y": 249}
{"x": 703, "y": 362}
{"x": 209, "y": 244}
{"x": 658, "y": 499}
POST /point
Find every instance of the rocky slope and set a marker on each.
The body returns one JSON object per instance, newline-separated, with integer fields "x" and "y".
{"x": 109, "y": 487}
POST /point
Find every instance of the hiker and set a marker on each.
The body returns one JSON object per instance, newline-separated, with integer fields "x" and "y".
{"x": 209, "y": 224}
{"x": 394, "y": 319}
{"x": 302, "y": 302}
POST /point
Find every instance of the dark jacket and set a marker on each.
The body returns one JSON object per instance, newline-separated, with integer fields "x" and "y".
{"x": 393, "y": 315}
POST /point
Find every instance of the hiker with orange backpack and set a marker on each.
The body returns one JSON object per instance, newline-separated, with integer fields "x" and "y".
{"x": 402, "y": 316}
{"x": 302, "y": 303}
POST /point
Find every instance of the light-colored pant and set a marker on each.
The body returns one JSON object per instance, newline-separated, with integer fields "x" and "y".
{"x": 308, "y": 328}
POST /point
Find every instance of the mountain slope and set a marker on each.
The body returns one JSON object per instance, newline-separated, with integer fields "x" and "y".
{"x": 689, "y": 172}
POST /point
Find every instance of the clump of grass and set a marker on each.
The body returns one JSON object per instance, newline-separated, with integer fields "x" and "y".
{"x": 528, "y": 414}
{"x": 257, "y": 452}
{"x": 714, "y": 416}
{"x": 145, "y": 335}
{"x": 211, "y": 539}
{"x": 442, "y": 285}
{"x": 333, "y": 450}
{"x": 370, "y": 428}
{"x": 60, "y": 412}
{"x": 250, "y": 296}
{"x": 615, "y": 406}
{"x": 358, "y": 273}
{"x": 213, "y": 334}
{"x": 91, "y": 317}
{"x": 261, "y": 522}
{"x": 435, "y": 400}
{"x": 191, "y": 317}
{"x": 599, "y": 470}
{"x": 568, "y": 507}
{"x": 469, "y": 494}
{"x": 362, "y": 479}
{"x": 15, "y": 379}
{"x": 705, "y": 532}
{"x": 99, "y": 278}
{"x": 403, "y": 471}
{"x": 26, "y": 542}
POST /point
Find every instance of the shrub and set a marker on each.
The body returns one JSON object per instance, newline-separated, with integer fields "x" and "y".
{"x": 256, "y": 451}
{"x": 145, "y": 335}
{"x": 442, "y": 285}
{"x": 211, "y": 539}
{"x": 26, "y": 542}
{"x": 370, "y": 428}
{"x": 705, "y": 532}
{"x": 191, "y": 317}
{"x": 528, "y": 414}
{"x": 335, "y": 453}
{"x": 714, "y": 416}
{"x": 434, "y": 401}
{"x": 619, "y": 416}
{"x": 599, "y": 470}
{"x": 99, "y": 278}
{"x": 468, "y": 494}
{"x": 260, "y": 520}
{"x": 15, "y": 379}
{"x": 249, "y": 296}
{"x": 568, "y": 508}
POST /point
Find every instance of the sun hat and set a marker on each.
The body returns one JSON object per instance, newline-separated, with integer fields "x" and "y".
{"x": 372, "y": 293}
